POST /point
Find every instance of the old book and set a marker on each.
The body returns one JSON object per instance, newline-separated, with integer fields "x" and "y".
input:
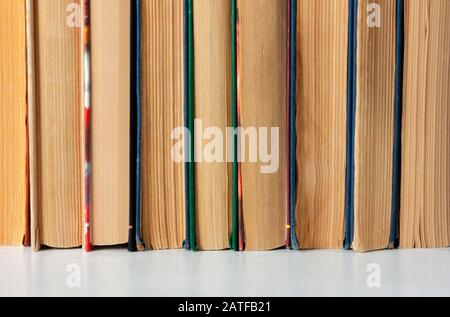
{"x": 14, "y": 221}
{"x": 262, "y": 103}
{"x": 57, "y": 213}
{"x": 425, "y": 169}
{"x": 163, "y": 188}
{"x": 321, "y": 122}
{"x": 110, "y": 142}
{"x": 212, "y": 54}
{"x": 371, "y": 223}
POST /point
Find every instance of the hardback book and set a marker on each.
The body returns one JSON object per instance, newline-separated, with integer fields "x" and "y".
{"x": 14, "y": 212}
{"x": 163, "y": 190}
{"x": 262, "y": 103}
{"x": 55, "y": 129}
{"x": 425, "y": 204}
{"x": 373, "y": 182}
{"x": 212, "y": 94}
{"x": 110, "y": 121}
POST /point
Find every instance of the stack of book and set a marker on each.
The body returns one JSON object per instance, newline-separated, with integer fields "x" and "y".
{"x": 225, "y": 124}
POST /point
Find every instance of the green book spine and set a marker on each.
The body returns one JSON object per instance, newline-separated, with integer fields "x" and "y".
{"x": 192, "y": 223}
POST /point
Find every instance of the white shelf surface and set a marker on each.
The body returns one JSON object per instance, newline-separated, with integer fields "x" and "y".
{"x": 115, "y": 272}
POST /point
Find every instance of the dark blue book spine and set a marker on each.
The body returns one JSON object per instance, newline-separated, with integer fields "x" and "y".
{"x": 398, "y": 103}
{"x": 133, "y": 126}
{"x": 292, "y": 124}
{"x": 138, "y": 25}
{"x": 351, "y": 114}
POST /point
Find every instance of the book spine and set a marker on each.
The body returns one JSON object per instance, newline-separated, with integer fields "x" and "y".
{"x": 292, "y": 124}
{"x": 234, "y": 123}
{"x": 138, "y": 22}
{"x": 351, "y": 111}
{"x": 398, "y": 103}
{"x": 134, "y": 168}
{"x": 191, "y": 114}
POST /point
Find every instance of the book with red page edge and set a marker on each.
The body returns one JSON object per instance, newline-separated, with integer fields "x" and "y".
{"x": 87, "y": 244}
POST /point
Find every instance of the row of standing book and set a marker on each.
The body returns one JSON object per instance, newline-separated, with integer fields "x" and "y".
{"x": 98, "y": 98}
